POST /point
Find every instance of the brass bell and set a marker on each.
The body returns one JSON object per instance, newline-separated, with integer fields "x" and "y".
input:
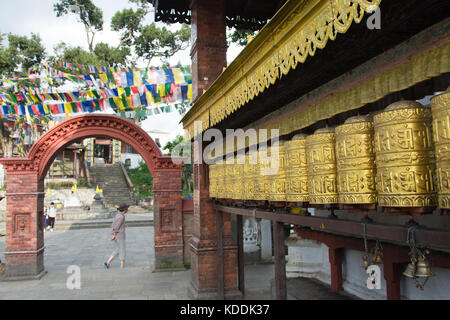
{"x": 410, "y": 270}
{"x": 366, "y": 262}
{"x": 377, "y": 257}
{"x": 423, "y": 268}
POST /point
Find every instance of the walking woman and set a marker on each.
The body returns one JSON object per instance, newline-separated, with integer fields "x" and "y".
{"x": 118, "y": 236}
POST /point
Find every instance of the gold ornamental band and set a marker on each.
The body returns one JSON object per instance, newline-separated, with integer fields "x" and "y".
{"x": 405, "y": 156}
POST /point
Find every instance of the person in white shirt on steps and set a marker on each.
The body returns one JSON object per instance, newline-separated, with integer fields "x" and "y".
{"x": 51, "y": 215}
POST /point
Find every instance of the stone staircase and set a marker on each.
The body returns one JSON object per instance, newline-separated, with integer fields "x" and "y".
{"x": 111, "y": 179}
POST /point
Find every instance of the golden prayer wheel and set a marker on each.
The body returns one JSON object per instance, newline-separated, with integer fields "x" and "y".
{"x": 213, "y": 181}
{"x": 250, "y": 173}
{"x": 238, "y": 174}
{"x": 355, "y": 159}
{"x": 220, "y": 179}
{"x": 405, "y": 156}
{"x": 440, "y": 107}
{"x": 296, "y": 169}
{"x": 322, "y": 173}
{"x": 228, "y": 179}
{"x": 261, "y": 179}
{"x": 277, "y": 177}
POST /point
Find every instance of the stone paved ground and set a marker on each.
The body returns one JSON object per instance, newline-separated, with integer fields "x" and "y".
{"x": 89, "y": 248}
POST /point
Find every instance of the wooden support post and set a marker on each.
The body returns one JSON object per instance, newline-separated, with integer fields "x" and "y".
{"x": 280, "y": 261}
{"x": 335, "y": 257}
{"x": 392, "y": 273}
{"x": 240, "y": 244}
{"x": 220, "y": 272}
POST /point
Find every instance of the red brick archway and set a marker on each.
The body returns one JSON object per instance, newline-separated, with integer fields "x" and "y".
{"x": 25, "y": 193}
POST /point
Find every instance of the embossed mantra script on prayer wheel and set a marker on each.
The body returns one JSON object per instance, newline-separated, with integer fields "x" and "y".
{"x": 250, "y": 165}
{"x": 213, "y": 180}
{"x": 296, "y": 169}
{"x": 228, "y": 179}
{"x": 440, "y": 107}
{"x": 238, "y": 175}
{"x": 220, "y": 179}
{"x": 277, "y": 180}
{"x": 405, "y": 156}
{"x": 355, "y": 159}
{"x": 260, "y": 174}
{"x": 322, "y": 174}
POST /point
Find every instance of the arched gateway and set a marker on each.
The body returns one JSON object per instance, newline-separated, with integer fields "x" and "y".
{"x": 25, "y": 193}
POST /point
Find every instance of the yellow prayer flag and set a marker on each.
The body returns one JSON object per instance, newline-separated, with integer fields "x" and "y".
{"x": 161, "y": 88}
{"x": 149, "y": 96}
{"x": 189, "y": 93}
{"x": 120, "y": 91}
{"x": 104, "y": 77}
{"x": 137, "y": 78}
{"x": 46, "y": 108}
{"x": 178, "y": 76}
{"x": 118, "y": 101}
{"x": 35, "y": 99}
{"x": 67, "y": 109}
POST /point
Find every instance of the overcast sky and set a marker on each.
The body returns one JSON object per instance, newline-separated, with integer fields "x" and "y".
{"x": 26, "y": 16}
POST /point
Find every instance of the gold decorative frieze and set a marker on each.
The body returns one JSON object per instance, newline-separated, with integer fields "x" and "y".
{"x": 405, "y": 156}
{"x": 296, "y": 169}
{"x": 440, "y": 107}
{"x": 355, "y": 159}
{"x": 322, "y": 173}
{"x": 293, "y": 34}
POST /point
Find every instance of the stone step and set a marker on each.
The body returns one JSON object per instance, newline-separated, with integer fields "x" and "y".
{"x": 76, "y": 225}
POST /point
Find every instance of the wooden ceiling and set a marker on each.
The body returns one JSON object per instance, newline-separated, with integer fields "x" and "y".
{"x": 240, "y": 14}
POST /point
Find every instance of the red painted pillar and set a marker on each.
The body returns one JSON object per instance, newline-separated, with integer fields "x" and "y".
{"x": 209, "y": 46}
{"x": 204, "y": 247}
{"x": 335, "y": 257}
{"x": 24, "y": 250}
{"x": 392, "y": 271}
{"x": 168, "y": 220}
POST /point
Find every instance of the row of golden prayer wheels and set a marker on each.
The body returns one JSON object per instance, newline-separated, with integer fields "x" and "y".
{"x": 400, "y": 157}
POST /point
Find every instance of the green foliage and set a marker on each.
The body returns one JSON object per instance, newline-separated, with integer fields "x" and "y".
{"x": 187, "y": 170}
{"x": 20, "y": 54}
{"x": 160, "y": 42}
{"x": 89, "y": 14}
{"x": 240, "y": 37}
{"x": 128, "y": 23}
{"x": 141, "y": 179}
{"x": 111, "y": 56}
{"x": 103, "y": 55}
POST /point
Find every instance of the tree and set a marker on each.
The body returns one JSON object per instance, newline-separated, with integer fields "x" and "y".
{"x": 129, "y": 23}
{"x": 142, "y": 179}
{"x": 88, "y": 14}
{"x": 156, "y": 42}
{"x": 16, "y": 58}
{"x": 187, "y": 170}
{"x": 20, "y": 54}
{"x": 240, "y": 37}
